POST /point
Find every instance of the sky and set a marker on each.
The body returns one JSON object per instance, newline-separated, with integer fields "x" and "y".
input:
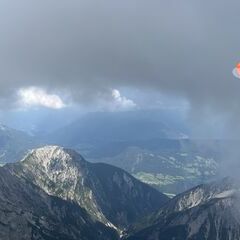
{"x": 118, "y": 55}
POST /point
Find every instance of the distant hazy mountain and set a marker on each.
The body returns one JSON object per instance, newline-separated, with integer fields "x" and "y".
{"x": 109, "y": 194}
{"x": 14, "y": 144}
{"x": 206, "y": 212}
{"x": 151, "y": 145}
{"x": 39, "y": 121}
{"x": 28, "y": 213}
{"x": 170, "y": 165}
{"x": 96, "y": 127}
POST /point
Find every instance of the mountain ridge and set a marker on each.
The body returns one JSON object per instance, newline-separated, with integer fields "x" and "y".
{"x": 108, "y": 193}
{"x": 27, "y": 212}
{"x": 208, "y": 211}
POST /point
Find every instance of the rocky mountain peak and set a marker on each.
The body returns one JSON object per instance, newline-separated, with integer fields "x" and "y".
{"x": 53, "y": 153}
{"x": 203, "y": 193}
{"x": 208, "y": 211}
{"x": 52, "y": 159}
{"x": 55, "y": 169}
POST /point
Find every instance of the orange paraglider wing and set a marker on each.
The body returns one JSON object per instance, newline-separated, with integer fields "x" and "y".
{"x": 238, "y": 69}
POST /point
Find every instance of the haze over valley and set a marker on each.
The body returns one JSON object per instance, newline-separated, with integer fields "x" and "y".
{"x": 119, "y": 120}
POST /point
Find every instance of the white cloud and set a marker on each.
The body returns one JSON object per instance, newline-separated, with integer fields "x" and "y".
{"x": 38, "y": 97}
{"x": 120, "y": 102}
{"x": 235, "y": 73}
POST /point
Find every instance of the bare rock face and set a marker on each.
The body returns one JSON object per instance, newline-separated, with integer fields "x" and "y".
{"x": 27, "y": 212}
{"x": 109, "y": 194}
{"x": 206, "y": 212}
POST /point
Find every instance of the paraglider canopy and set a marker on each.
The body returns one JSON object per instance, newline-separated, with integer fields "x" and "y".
{"x": 236, "y": 70}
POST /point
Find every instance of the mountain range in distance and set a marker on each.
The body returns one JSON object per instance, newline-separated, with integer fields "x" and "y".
{"x": 151, "y": 145}
{"x": 14, "y": 144}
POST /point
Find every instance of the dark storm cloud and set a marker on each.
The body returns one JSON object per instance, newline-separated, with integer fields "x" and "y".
{"x": 185, "y": 48}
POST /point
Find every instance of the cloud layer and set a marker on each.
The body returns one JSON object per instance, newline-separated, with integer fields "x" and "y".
{"x": 89, "y": 47}
{"x": 120, "y": 102}
{"x": 37, "y": 97}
